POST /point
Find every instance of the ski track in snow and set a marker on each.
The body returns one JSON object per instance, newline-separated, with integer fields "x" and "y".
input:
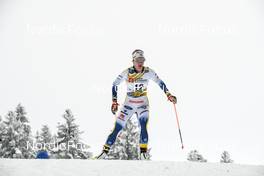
{"x": 52, "y": 167}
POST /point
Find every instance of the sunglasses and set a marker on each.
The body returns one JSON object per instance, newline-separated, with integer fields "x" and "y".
{"x": 139, "y": 59}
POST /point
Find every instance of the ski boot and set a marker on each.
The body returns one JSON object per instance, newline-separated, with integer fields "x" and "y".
{"x": 104, "y": 153}
{"x": 143, "y": 154}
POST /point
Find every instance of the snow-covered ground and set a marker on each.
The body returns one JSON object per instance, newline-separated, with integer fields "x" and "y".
{"x": 13, "y": 167}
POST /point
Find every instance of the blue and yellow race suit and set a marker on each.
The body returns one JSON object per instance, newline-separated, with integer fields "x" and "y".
{"x": 136, "y": 101}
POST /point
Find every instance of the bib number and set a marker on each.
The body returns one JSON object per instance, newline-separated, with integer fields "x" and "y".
{"x": 139, "y": 87}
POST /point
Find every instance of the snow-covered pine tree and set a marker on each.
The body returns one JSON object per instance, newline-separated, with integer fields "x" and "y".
{"x": 68, "y": 140}
{"x": 118, "y": 149}
{"x": 37, "y": 137}
{"x": 126, "y": 146}
{"x": 44, "y": 139}
{"x": 16, "y": 137}
{"x": 195, "y": 156}
{"x": 37, "y": 141}
{"x": 225, "y": 158}
{"x": 2, "y": 130}
{"x": 132, "y": 140}
{"x": 45, "y": 135}
{"x": 7, "y": 133}
{"x": 25, "y": 132}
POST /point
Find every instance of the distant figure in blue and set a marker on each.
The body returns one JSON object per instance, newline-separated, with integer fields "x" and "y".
{"x": 42, "y": 154}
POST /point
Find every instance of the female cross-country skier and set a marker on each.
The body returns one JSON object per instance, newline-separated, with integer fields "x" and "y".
{"x": 136, "y": 101}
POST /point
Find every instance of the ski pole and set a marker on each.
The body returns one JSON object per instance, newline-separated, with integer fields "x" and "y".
{"x": 177, "y": 118}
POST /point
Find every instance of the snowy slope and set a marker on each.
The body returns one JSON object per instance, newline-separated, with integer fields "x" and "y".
{"x": 9, "y": 167}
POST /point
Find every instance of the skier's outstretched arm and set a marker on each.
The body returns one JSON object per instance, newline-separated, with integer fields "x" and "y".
{"x": 121, "y": 77}
{"x": 154, "y": 77}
